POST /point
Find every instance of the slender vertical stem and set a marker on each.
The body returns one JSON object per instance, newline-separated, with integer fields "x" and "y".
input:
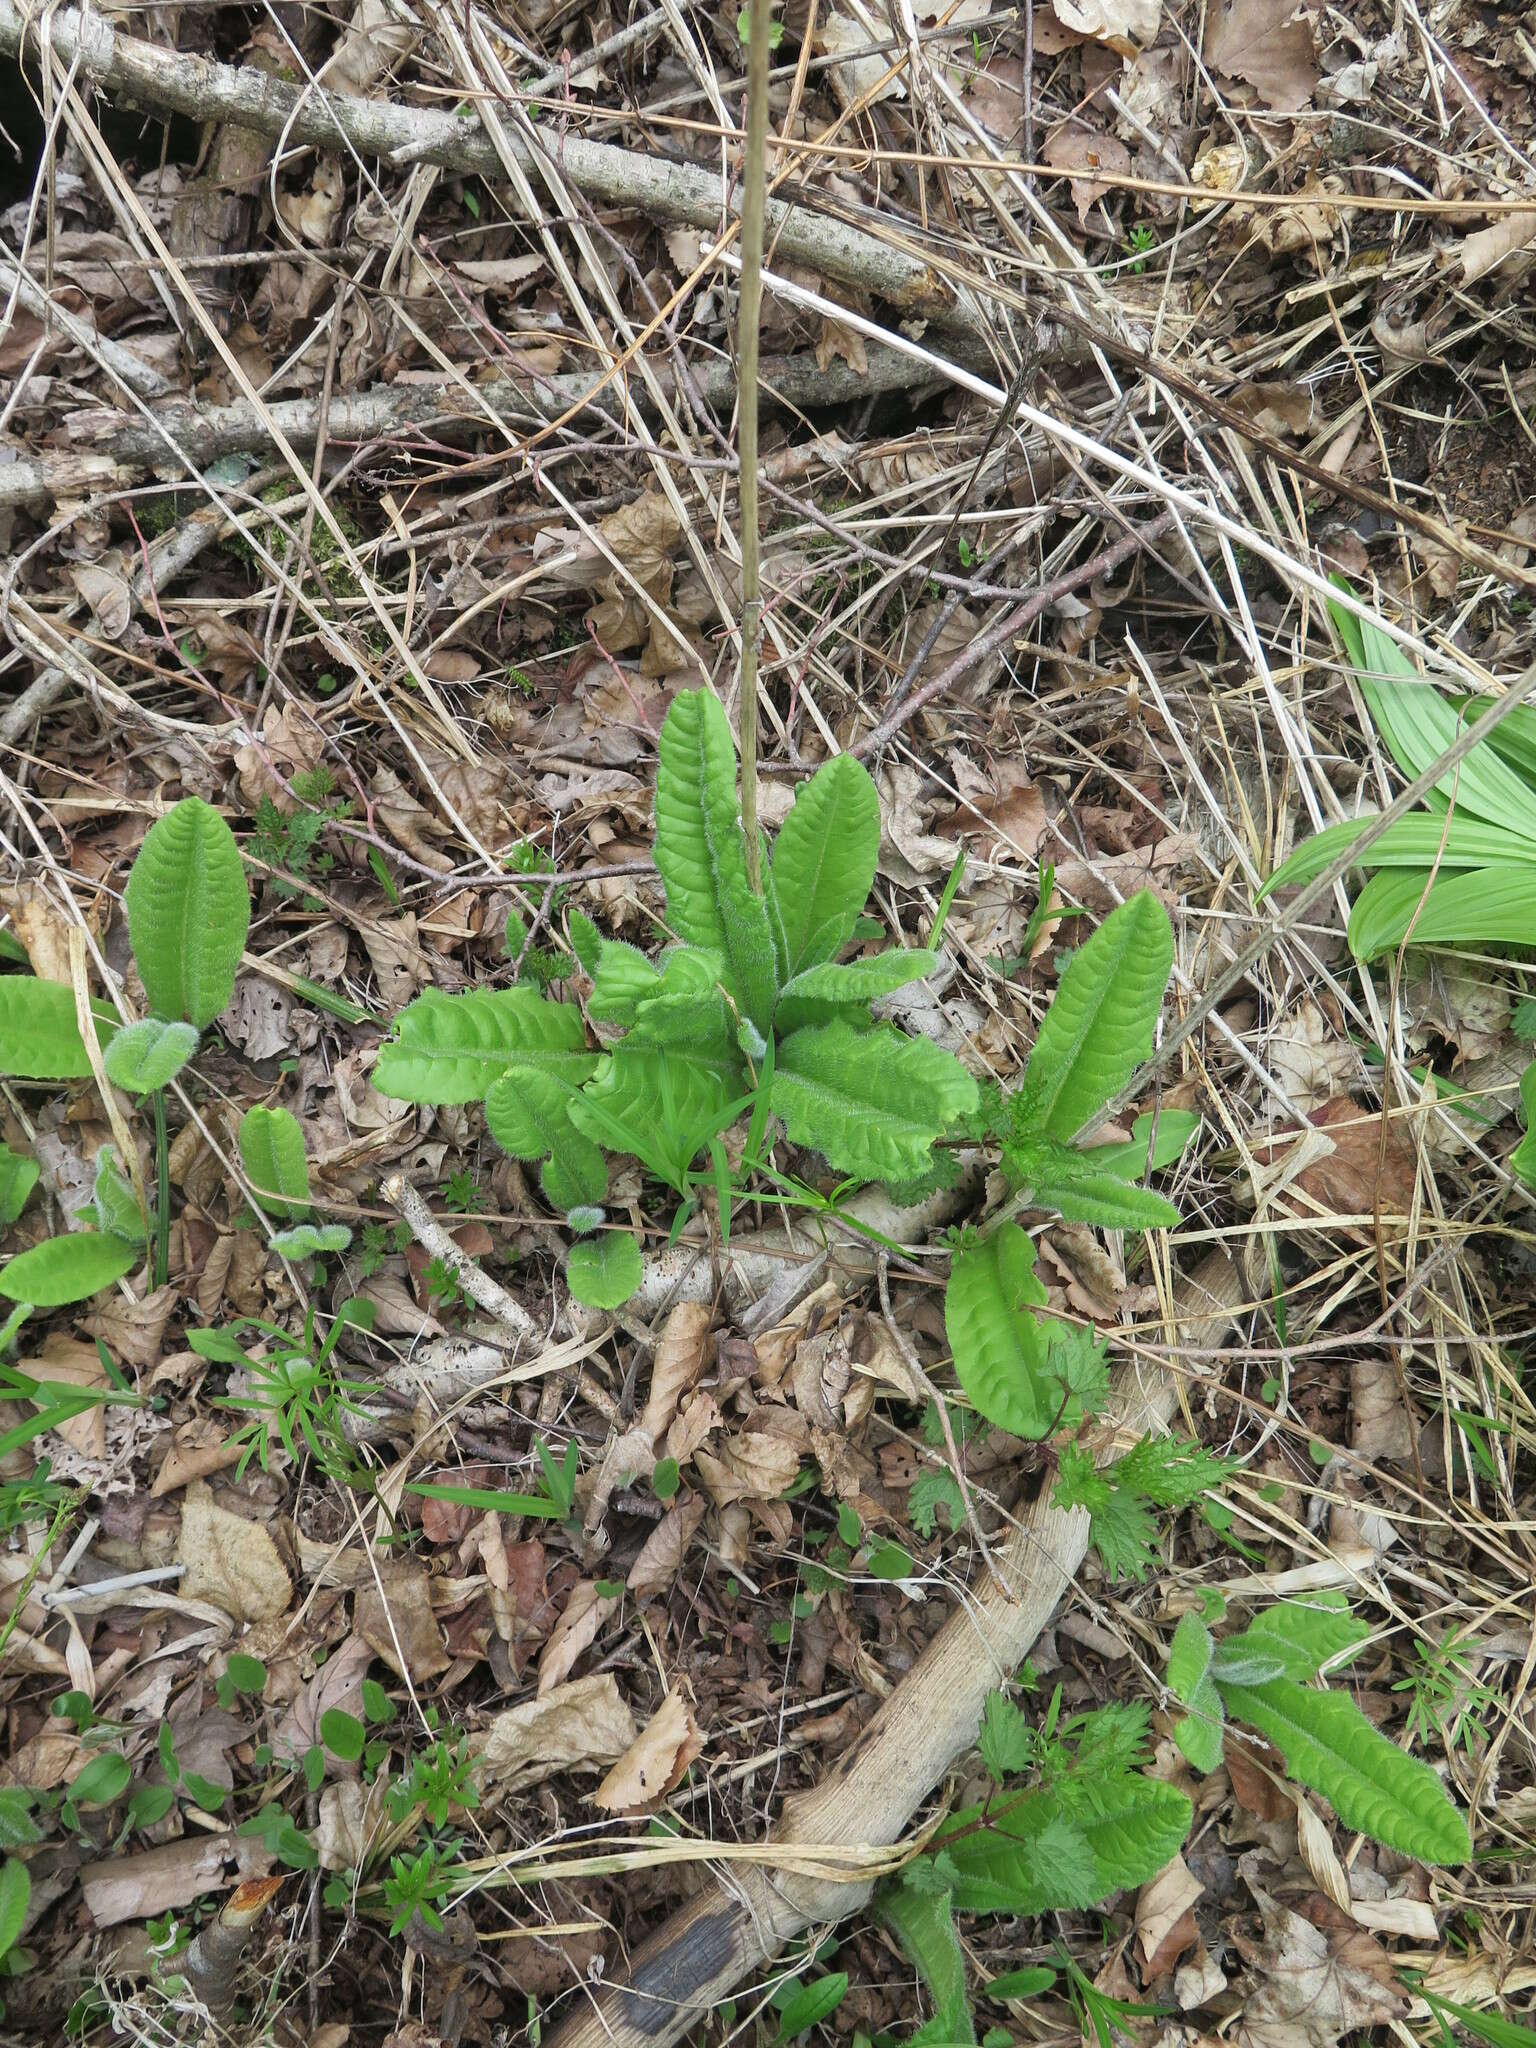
{"x": 754, "y": 181}
{"x": 162, "y": 1191}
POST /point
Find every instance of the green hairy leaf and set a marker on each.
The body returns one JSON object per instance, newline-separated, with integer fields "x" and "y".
{"x": 1372, "y": 1785}
{"x": 528, "y": 1113}
{"x": 586, "y": 940}
{"x": 662, "y": 1106}
{"x": 39, "y": 1038}
{"x": 1189, "y": 1657}
{"x": 1061, "y": 1847}
{"x": 602, "y": 1272}
{"x": 871, "y": 1102}
{"x": 1099, "y": 1027}
{"x": 18, "y": 1177}
{"x": 69, "y": 1268}
{"x": 1072, "y": 1183}
{"x": 1199, "y": 1733}
{"x": 15, "y": 1895}
{"x": 685, "y": 1009}
{"x": 824, "y": 863}
{"x": 452, "y": 1048}
{"x": 701, "y": 852}
{"x": 116, "y": 1205}
{"x": 1305, "y": 1634}
{"x": 188, "y": 913}
{"x": 922, "y": 1919}
{"x": 149, "y": 1055}
{"x": 272, "y": 1154}
{"x": 621, "y": 978}
{"x": 1168, "y": 1133}
{"x": 309, "y": 1240}
{"x": 816, "y": 994}
{"x": 1000, "y": 1348}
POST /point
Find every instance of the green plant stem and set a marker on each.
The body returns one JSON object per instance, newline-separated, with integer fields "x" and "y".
{"x": 162, "y": 1191}
{"x": 749, "y": 310}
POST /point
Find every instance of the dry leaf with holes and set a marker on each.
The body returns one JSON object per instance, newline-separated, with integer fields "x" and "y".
{"x": 584, "y": 1613}
{"x": 1165, "y": 1924}
{"x": 582, "y": 1726}
{"x": 1312, "y": 1987}
{"x": 1380, "y": 1425}
{"x": 1268, "y": 44}
{"x": 338, "y": 1683}
{"x": 290, "y": 744}
{"x": 654, "y": 1762}
{"x": 230, "y": 1562}
{"x": 1309, "y": 1058}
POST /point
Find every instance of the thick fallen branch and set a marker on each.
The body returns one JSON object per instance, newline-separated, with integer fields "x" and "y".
{"x": 111, "y": 449}
{"x": 869, "y": 1796}
{"x": 159, "y": 80}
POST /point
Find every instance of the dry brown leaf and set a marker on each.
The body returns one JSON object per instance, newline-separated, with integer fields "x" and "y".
{"x": 351, "y": 1818}
{"x": 134, "y": 1331}
{"x": 1268, "y": 44}
{"x": 684, "y": 1352}
{"x": 1165, "y": 1925}
{"x": 374, "y": 39}
{"x": 161, "y": 1880}
{"x": 338, "y": 1683}
{"x": 312, "y": 215}
{"x": 1313, "y": 1987}
{"x": 1380, "y": 1425}
{"x": 582, "y": 1726}
{"x": 1309, "y": 1058}
{"x": 755, "y": 1464}
{"x": 655, "y": 1761}
{"x": 198, "y": 1450}
{"x": 1512, "y": 235}
{"x": 107, "y": 593}
{"x": 76, "y": 1365}
{"x": 42, "y": 927}
{"x": 860, "y": 79}
{"x": 230, "y": 1562}
{"x": 394, "y": 1616}
{"x": 290, "y": 744}
{"x": 1317, "y": 1851}
{"x": 576, "y": 1630}
{"x": 1111, "y": 21}
{"x": 663, "y": 1551}
{"x": 398, "y": 961}
{"x": 1364, "y": 1172}
{"x": 1079, "y": 149}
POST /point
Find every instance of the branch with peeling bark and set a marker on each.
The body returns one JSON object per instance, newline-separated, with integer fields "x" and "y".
{"x": 737, "y": 1925}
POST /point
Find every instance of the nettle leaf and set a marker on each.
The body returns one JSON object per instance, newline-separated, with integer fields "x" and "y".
{"x": 39, "y": 1038}
{"x": 70, "y": 1268}
{"x": 1305, "y": 1635}
{"x": 1052, "y": 1849}
{"x": 701, "y": 852}
{"x": 1372, "y": 1785}
{"x": 1000, "y": 1349}
{"x": 18, "y": 1177}
{"x": 871, "y": 1102}
{"x": 272, "y": 1154}
{"x": 149, "y": 1055}
{"x": 1099, "y": 1027}
{"x": 452, "y": 1048}
{"x": 663, "y": 1106}
{"x": 1169, "y": 1471}
{"x": 817, "y": 994}
{"x": 1078, "y": 1187}
{"x": 528, "y": 1113}
{"x": 824, "y": 862}
{"x": 189, "y": 910}
{"x": 603, "y": 1272}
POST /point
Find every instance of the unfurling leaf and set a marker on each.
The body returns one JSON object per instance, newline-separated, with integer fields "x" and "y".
{"x": 188, "y": 913}
{"x": 453, "y": 1048}
{"x": 663, "y": 1106}
{"x": 528, "y": 1113}
{"x": 149, "y": 1055}
{"x": 603, "y": 1272}
{"x": 1100, "y": 1024}
{"x": 66, "y": 1269}
{"x": 1000, "y": 1348}
{"x": 272, "y": 1154}
{"x": 871, "y": 1102}
{"x": 309, "y": 1240}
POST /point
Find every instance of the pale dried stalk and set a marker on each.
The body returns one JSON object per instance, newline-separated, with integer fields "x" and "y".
{"x": 749, "y": 313}
{"x": 872, "y": 1791}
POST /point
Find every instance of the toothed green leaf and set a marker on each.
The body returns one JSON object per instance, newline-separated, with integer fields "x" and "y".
{"x": 69, "y": 1268}
{"x": 603, "y": 1272}
{"x": 871, "y": 1102}
{"x": 1100, "y": 1024}
{"x": 272, "y": 1154}
{"x": 453, "y": 1048}
{"x": 824, "y": 862}
{"x": 1076, "y": 1186}
{"x": 528, "y": 1113}
{"x": 149, "y": 1055}
{"x": 189, "y": 910}
{"x": 1372, "y": 1785}
{"x": 1000, "y": 1349}
{"x": 39, "y": 1038}
{"x": 816, "y": 994}
{"x": 1055, "y": 1849}
{"x": 701, "y": 852}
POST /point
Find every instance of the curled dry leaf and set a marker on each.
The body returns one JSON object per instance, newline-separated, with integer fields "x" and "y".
{"x": 664, "y": 1549}
{"x": 576, "y": 1630}
{"x": 755, "y": 1464}
{"x": 394, "y": 1617}
{"x": 1514, "y": 236}
{"x": 684, "y": 1352}
{"x": 655, "y": 1761}
{"x": 1312, "y": 1987}
{"x": 162, "y": 1880}
{"x": 1165, "y": 1925}
{"x": 584, "y": 1725}
{"x": 230, "y": 1562}
{"x": 1380, "y": 1425}
{"x": 351, "y": 1819}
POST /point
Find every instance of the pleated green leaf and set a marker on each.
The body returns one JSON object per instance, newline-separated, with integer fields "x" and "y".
{"x": 1304, "y": 1634}
{"x": 871, "y": 1102}
{"x": 663, "y": 1105}
{"x": 272, "y": 1154}
{"x": 149, "y": 1055}
{"x": 1000, "y": 1348}
{"x": 452, "y": 1048}
{"x": 1486, "y": 906}
{"x": 528, "y": 1113}
{"x": 1416, "y": 841}
{"x": 189, "y": 910}
{"x": 824, "y": 862}
{"x": 1100, "y": 1023}
{"x": 69, "y": 1268}
{"x": 1372, "y": 1785}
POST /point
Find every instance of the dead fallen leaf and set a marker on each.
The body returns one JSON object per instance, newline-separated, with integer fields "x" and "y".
{"x": 1165, "y": 1925}
{"x": 177, "y": 1874}
{"x": 338, "y": 1683}
{"x": 1309, "y": 1058}
{"x": 74, "y": 1364}
{"x": 230, "y": 1562}
{"x": 755, "y": 1464}
{"x": 1512, "y": 236}
{"x": 351, "y": 1818}
{"x": 580, "y": 1726}
{"x": 683, "y": 1353}
{"x": 1380, "y": 1425}
{"x": 1111, "y": 21}
{"x": 1268, "y": 44}
{"x": 664, "y": 1549}
{"x": 1313, "y": 1987}
{"x": 655, "y": 1761}
{"x": 584, "y": 1613}
{"x": 394, "y": 1616}
{"x": 1077, "y": 148}
{"x": 1365, "y": 1170}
